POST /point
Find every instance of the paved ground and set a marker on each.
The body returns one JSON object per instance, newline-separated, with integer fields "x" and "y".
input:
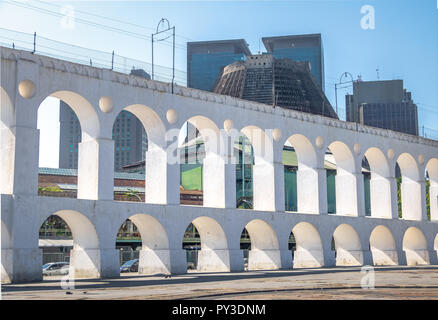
{"x": 333, "y": 283}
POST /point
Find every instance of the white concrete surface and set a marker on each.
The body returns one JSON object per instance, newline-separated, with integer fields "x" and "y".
{"x": 95, "y": 218}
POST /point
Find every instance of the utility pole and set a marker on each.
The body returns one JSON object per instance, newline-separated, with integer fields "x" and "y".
{"x": 345, "y": 74}
{"x": 167, "y": 27}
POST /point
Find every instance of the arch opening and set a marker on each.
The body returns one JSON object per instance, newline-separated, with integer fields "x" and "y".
{"x": 68, "y": 129}
{"x": 300, "y": 175}
{"x": 415, "y": 247}
{"x": 70, "y": 245}
{"x": 341, "y": 180}
{"x": 347, "y": 246}
{"x": 130, "y": 149}
{"x": 263, "y": 171}
{"x": 377, "y": 186}
{"x": 264, "y": 253}
{"x": 143, "y": 245}
{"x": 382, "y": 247}
{"x": 207, "y": 246}
{"x": 306, "y": 245}
{"x": 408, "y": 188}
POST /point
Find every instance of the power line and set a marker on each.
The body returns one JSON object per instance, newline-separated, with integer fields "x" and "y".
{"x": 90, "y": 23}
{"x": 110, "y": 19}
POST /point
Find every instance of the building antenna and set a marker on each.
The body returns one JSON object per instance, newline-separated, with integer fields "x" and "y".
{"x": 259, "y": 44}
{"x": 378, "y": 76}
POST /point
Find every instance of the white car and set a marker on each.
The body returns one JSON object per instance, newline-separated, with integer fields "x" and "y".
{"x": 55, "y": 268}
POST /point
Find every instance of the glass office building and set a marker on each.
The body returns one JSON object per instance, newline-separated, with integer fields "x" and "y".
{"x": 300, "y": 48}
{"x": 205, "y": 59}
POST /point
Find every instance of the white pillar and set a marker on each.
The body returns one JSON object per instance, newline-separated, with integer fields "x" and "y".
{"x": 154, "y": 261}
{"x": 96, "y": 169}
{"x": 162, "y": 178}
{"x": 312, "y": 190}
{"x": 219, "y": 181}
{"x": 412, "y": 199}
{"x": 380, "y": 197}
{"x": 25, "y": 160}
{"x": 94, "y": 263}
{"x": 433, "y": 198}
{"x": 268, "y": 185}
{"x": 349, "y": 193}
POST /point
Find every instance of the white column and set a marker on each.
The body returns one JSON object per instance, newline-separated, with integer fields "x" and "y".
{"x": 413, "y": 200}
{"x": 349, "y": 193}
{"x": 96, "y": 169}
{"x": 268, "y": 185}
{"x": 25, "y": 160}
{"x": 162, "y": 178}
{"x": 219, "y": 181}
{"x": 433, "y": 197}
{"x": 312, "y": 190}
{"x": 380, "y": 196}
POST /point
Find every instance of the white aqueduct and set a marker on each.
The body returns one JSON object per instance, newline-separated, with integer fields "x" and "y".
{"x": 98, "y": 95}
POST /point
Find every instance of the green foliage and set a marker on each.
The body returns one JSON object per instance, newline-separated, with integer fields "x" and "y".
{"x": 49, "y": 189}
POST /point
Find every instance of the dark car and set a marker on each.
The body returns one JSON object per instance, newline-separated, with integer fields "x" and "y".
{"x": 130, "y": 266}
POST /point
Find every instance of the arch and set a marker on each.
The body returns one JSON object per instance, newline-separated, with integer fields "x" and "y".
{"x": 85, "y": 112}
{"x": 382, "y": 246}
{"x": 306, "y": 154}
{"x": 410, "y": 189}
{"x": 380, "y": 185}
{"x": 153, "y": 235}
{"x": 261, "y": 143}
{"x": 83, "y": 231}
{"x": 343, "y": 156}
{"x": 210, "y": 134}
{"x": 154, "y": 256}
{"x": 267, "y": 171}
{"x": 264, "y": 253}
{"x": 408, "y": 167}
{"x": 152, "y": 124}
{"x": 212, "y": 167}
{"x": 415, "y": 247}
{"x": 307, "y": 185}
{"x": 214, "y": 255}
{"x": 309, "y": 252}
{"x": 346, "y": 196}
{"x": 7, "y": 115}
{"x": 432, "y": 170}
{"x": 85, "y": 260}
{"x": 347, "y": 246}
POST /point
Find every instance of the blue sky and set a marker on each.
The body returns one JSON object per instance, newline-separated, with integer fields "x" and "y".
{"x": 403, "y": 45}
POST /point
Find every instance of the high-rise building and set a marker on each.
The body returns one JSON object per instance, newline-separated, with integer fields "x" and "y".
{"x": 130, "y": 141}
{"x": 300, "y": 48}
{"x": 278, "y": 82}
{"x": 206, "y": 58}
{"x": 382, "y": 104}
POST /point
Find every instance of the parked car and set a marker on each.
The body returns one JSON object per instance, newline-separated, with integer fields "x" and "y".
{"x": 130, "y": 266}
{"x": 55, "y": 268}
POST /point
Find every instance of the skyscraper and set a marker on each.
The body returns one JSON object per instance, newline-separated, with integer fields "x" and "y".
{"x": 382, "y": 104}
{"x": 206, "y": 58}
{"x": 300, "y": 48}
